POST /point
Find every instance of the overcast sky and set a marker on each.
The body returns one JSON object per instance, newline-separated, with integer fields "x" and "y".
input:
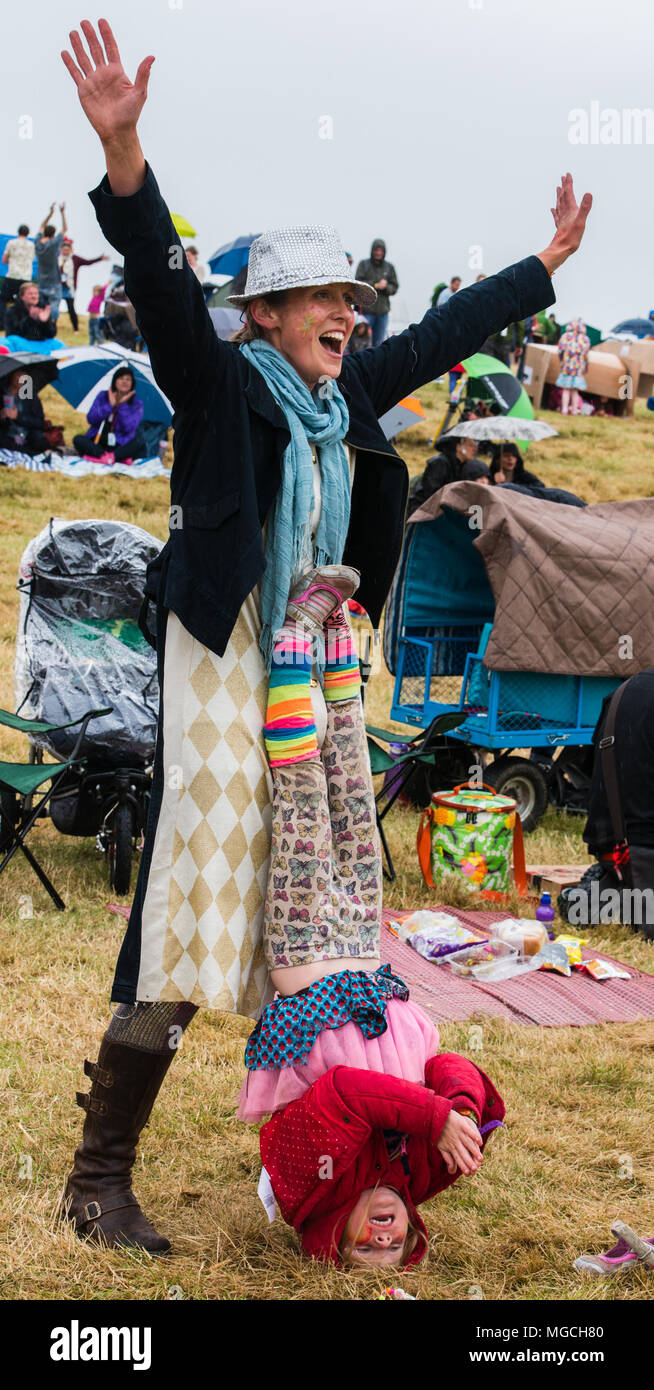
{"x": 450, "y": 124}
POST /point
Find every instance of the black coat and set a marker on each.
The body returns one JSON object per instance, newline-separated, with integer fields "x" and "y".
{"x": 634, "y": 754}
{"x": 442, "y": 468}
{"x": 20, "y": 322}
{"x": 230, "y": 433}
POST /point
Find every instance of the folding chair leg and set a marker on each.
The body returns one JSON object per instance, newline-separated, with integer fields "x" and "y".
{"x": 40, "y": 873}
{"x": 389, "y": 873}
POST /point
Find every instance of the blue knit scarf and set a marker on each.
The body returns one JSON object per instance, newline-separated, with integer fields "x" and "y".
{"x": 311, "y": 420}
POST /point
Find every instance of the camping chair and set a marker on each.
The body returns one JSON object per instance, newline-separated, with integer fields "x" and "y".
{"x": 423, "y": 749}
{"x": 19, "y": 782}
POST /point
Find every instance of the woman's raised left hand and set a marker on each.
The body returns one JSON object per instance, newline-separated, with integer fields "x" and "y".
{"x": 570, "y": 222}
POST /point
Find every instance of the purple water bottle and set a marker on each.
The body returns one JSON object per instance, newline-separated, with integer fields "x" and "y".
{"x": 545, "y": 913}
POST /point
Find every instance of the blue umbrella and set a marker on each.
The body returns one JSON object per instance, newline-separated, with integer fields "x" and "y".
{"x": 641, "y": 328}
{"x": 9, "y": 236}
{"x": 83, "y": 372}
{"x": 231, "y": 257}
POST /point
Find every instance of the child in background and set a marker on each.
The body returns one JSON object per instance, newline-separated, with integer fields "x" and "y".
{"x": 367, "y": 1118}
{"x": 94, "y": 311}
{"x": 573, "y": 348}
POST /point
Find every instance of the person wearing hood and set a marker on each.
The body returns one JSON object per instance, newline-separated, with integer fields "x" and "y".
{"x": 361, "y": 335}
{"x": 573, "y": 349}
{"x": 379, "y": 273}
{"x": 507, "y": 470}
{"x": 507, "y": 466}
{"x": 449, "y": 465}
{"x": 367, "y": 1118}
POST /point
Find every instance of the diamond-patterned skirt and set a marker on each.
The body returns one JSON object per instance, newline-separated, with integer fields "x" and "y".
{"x": 202, "y": 914}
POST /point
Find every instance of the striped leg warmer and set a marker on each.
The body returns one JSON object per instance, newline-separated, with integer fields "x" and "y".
{"x": 290, "y": 730}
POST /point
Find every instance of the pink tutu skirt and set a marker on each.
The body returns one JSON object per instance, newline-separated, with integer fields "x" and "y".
{"x": 403, "y": 1051}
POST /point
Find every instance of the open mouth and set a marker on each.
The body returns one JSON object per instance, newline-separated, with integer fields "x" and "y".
{"x": 381, "y": 1220}
{"x": 333, "y": 343}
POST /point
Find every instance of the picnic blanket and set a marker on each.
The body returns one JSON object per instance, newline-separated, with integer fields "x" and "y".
{"x": 543, "y": 998}
{"x": 72, "y": 466}
{"x": 568, "y": 582}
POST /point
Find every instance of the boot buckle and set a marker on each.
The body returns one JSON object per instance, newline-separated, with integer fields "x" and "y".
{"x": 91, "y": 1104}
{"x": 100, "y": 1074}
{"x": 92, "y": 1211}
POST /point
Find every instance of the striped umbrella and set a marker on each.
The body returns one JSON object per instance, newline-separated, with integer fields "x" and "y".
{"x": 85, "y": 371}
{"x": 490, "y": 380}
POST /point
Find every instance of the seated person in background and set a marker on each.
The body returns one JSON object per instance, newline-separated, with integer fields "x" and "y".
{"x": 114, "y": 420}
{"x": 21, "y": 418}
{"x": 476, "y": 471}
{"x": 30, "y": 316}
{"x": 361, "y": 335}
{"x": 120, "y": 310}
{"x": 507, "y": 470}
{"x": 444, "y": 467}
{"x": 507, "y": 467}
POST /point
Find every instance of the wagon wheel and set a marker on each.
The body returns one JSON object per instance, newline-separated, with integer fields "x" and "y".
{"x": 525, "y": 782}
{"x": 120, "y": 849}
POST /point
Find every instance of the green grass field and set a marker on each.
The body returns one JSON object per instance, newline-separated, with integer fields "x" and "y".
{"x": 578, "y": 1149}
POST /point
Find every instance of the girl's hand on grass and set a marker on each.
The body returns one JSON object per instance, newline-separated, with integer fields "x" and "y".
{"x": 570, "y": 222}
{"x": 460, "y": 1144}
{"x": 110, "y": 101}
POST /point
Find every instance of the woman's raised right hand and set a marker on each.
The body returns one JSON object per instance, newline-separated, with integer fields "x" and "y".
{"x": 110, "y": 101}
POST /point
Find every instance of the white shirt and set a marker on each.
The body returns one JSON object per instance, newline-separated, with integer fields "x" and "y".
{"x": 314, "y": 520}
{"x": 20, "y": 254}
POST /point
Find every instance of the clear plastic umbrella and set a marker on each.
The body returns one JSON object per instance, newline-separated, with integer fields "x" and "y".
{"x": 499, "y": 429}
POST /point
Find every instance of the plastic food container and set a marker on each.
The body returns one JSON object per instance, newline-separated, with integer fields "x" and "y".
{"x": 435, "y": 935}
{"x": 527, "y": 936}
{"x": 496, "y": 960}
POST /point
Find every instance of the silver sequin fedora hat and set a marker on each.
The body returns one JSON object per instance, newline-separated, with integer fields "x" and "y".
{"x": 293, "y": 258}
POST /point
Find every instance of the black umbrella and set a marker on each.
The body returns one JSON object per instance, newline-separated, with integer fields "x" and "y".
{"x": 40, "y": 368}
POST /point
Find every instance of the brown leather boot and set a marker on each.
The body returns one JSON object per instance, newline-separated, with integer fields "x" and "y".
{"x": 98, "y": 1199}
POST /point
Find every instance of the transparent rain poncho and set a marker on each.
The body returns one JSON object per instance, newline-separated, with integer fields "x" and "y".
{"x": 79, "y": 646}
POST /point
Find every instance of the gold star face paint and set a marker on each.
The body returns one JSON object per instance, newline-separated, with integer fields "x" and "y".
{"x": 308, "y": 320}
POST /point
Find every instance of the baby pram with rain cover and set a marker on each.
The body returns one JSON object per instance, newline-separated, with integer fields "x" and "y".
{"x": 79, "y": 646}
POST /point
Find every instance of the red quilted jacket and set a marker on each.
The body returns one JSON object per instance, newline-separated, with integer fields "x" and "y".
{"x": 337, "y": 1127}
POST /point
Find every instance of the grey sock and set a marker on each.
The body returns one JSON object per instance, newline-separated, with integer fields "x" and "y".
{"x": 150, "y": 1027}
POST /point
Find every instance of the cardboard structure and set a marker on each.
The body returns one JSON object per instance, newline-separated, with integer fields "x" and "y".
{"x": 638, "y": 358}
{"x": 552, "y": 878}
{"x": 610, "y": 375}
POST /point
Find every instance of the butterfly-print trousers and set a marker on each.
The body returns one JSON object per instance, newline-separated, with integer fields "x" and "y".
{"x": 324, "y": 893}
